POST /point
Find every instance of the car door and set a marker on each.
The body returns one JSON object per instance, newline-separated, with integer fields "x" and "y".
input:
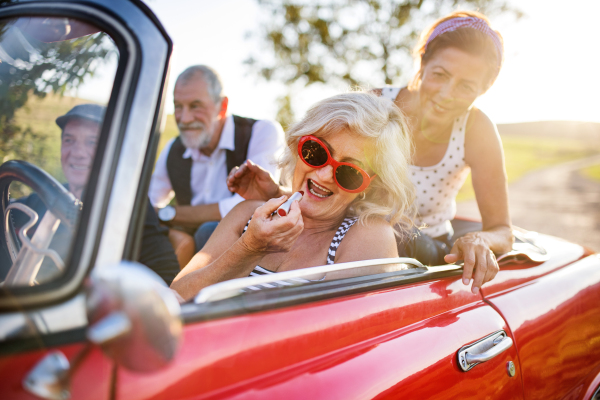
{"x": 553, "y": 310}
{"x": 390, "y": 335}
{"x": 68, "y": 64}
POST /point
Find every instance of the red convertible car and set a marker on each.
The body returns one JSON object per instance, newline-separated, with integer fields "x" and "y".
{"x": 80, "y": 318}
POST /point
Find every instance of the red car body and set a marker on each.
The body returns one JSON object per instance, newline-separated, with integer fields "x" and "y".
{"x": 401, "y": 342}
{"x": 377, "y": 339}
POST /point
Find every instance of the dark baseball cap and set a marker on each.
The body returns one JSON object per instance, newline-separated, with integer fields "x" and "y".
{"x": 91, "y": 112}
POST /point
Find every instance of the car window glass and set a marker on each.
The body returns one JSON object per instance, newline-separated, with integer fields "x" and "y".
{"x": 56, "y": 76}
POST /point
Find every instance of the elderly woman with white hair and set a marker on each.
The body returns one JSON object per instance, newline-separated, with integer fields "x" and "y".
{"x": 350, "y": 156}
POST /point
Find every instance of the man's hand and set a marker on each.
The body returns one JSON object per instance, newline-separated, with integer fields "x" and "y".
{"x": 253, "y": 182}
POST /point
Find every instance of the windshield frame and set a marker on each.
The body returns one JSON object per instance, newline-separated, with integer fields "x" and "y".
{"x": 97, "y": 194}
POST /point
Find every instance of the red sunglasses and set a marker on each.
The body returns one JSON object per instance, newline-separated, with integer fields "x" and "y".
{"x": 347, "y": 176}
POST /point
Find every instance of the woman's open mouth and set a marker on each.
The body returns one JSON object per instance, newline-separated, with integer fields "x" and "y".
{"x": 318, "y": 190}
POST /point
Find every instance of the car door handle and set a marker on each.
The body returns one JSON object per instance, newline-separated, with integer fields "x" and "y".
{"x": 483, "y": 350}
{"x": 491, "y": 353}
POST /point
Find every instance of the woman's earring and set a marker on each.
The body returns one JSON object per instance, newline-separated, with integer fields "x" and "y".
{"x": 363, "y": 195}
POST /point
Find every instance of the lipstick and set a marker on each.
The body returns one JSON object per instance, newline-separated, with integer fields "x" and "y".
{"x": 285, "y": 207}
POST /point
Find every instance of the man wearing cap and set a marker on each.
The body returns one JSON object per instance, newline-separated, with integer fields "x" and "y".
{"x": 80, "y": 130}
{"x": 193, "y": 167}
{"x": 79, "y": 139}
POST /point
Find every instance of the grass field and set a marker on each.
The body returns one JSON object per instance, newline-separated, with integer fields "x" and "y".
{"x": 523, "y": 152}
{"x": 169, "y": 133}
{"x": 592, "y": 172}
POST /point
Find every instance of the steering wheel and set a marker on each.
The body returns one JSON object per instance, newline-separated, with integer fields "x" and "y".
{"x": 60, "y": 202}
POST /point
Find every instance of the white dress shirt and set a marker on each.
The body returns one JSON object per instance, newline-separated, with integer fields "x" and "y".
{"x": 209, "y": 173}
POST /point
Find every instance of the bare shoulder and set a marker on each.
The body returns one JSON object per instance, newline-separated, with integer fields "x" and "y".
{"x": 378, "y": 226}
{"x": 482, "y": 140}
{"x": 371, "y": 240}
{"x": 479, "y": 125}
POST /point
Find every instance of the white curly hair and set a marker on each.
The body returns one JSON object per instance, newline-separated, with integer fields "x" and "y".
{"x": 391, "y": 194}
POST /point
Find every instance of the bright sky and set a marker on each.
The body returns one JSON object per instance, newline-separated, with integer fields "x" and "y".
{"x": 550, "y": 72}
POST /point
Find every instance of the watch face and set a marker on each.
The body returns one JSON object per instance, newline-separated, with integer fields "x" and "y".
{"x": 166, "y": 214}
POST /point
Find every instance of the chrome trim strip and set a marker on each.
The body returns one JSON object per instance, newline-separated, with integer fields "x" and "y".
{"x": 133, "y": 153}
{"x": 231, "y": 288}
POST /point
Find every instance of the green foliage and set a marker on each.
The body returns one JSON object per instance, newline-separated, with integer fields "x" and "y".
{"x": 365, "y": 43}
{"x": 349, "y": 42}
{"x": 525, "y": 154}
{"x": 285, "y": 115}
{"x": 592, "y": 172}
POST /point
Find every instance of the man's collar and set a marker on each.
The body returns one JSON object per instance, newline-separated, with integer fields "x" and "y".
{"x": 227, "y": 140}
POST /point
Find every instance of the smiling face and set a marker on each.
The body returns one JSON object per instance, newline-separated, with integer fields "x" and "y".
{"x": 196, "y": 113}
{"x": 323, "y": 199}
{"x": 451, "y": 81}
{"x": 78, "y": 146}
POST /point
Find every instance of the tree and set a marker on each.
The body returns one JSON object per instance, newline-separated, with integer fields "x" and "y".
{"x": 363, "y": 43}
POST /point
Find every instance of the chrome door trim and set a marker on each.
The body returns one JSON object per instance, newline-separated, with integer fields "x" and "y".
{"x": 145, "y": 104}
{"x": 483, "y": 350}
{"x": 231, "y": 288}
{"x": 49, "y": 378}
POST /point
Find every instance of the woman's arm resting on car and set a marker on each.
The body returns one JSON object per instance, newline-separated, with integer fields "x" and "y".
{"x": 483, "y": 152}
{"x": 228, "y": 254}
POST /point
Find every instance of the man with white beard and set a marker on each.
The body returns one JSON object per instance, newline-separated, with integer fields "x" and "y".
{"x": 193, "y": 167}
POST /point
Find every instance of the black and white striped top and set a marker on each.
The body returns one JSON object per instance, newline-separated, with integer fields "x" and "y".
{"x": 335, "y": 243}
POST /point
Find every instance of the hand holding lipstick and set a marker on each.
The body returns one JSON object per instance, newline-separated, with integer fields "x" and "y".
{"x": 268, "y": 233}
{"x": 283, "y": 209}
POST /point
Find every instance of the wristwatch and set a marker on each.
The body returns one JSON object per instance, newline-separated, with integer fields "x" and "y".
{"x": 167, "y": 213}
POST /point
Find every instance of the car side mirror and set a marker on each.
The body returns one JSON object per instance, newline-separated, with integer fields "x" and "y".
{"x": 133, "y": 316}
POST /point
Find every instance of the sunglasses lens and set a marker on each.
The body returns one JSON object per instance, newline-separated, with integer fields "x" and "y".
{"x": 313, "y": 153}
{"x": 348, "y": 177}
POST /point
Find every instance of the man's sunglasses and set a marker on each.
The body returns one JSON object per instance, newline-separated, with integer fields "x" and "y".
{"x": 347, "y": 176}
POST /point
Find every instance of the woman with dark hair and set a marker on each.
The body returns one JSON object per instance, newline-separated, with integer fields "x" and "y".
{"x": 458, "y": 59}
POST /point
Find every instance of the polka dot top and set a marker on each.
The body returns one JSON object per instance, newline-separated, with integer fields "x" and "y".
{"x": 437, "y": 185}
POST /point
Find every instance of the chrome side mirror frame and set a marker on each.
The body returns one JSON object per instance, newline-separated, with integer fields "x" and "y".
{"x": 133, "y": 316}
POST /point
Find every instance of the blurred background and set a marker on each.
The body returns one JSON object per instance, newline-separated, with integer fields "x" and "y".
{"x": 277, "y": 57}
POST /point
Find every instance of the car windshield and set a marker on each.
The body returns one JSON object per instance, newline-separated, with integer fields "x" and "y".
{"x": 56, "y": 76}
